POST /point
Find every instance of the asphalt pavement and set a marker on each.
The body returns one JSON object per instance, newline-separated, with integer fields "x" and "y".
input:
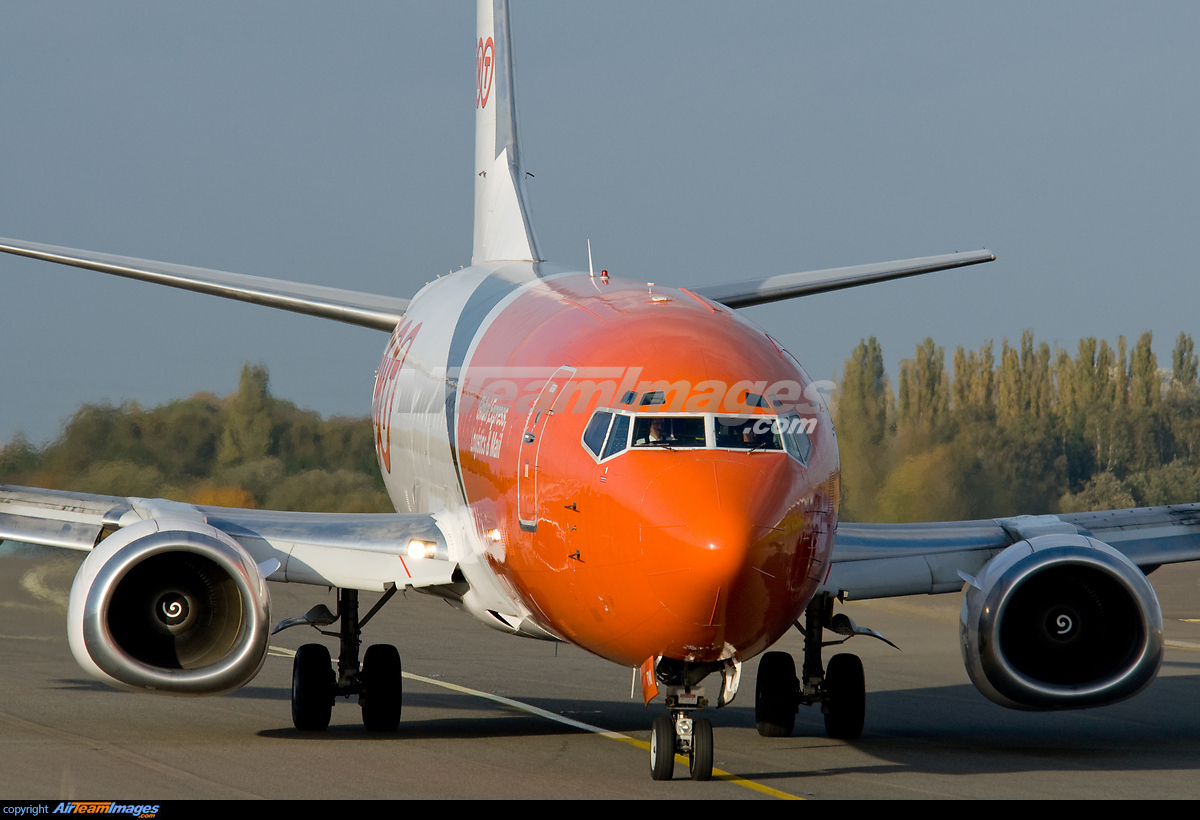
{"x": 487, "y": 715}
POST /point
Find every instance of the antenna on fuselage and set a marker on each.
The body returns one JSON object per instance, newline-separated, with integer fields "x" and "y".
{"x": 591, "y": 270}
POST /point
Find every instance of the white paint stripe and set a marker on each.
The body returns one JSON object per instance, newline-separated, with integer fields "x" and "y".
{"x": 280, "y": 651}
{"x": 575, "y": 724}
{"x": 524, "y": 707}
{"x": 533, "y": 710}
{"x": 1182, "y": 645}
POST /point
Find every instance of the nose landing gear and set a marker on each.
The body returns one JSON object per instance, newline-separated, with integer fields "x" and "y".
{"x": 681, "y": 732}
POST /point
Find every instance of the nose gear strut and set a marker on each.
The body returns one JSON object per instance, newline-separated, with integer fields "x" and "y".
{"x": 681, "y": 732}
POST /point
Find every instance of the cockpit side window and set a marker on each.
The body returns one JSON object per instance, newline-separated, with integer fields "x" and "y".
{"x": 597, "y": 429}
{"x": 618, "y": 438}
{"x": 796, "y": 441}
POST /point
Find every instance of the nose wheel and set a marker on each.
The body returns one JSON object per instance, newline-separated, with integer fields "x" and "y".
{"x": 662, "y": 749}
{"x": 700, "y": 761}
{"x": 681, "y": 732}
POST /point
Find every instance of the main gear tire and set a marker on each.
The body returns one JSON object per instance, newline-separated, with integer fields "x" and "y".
{"x": 313, "y": 685}
{"x": 776, "y": 695}
{"x": 845, "y": 703}
{"x": 382, "y": 688}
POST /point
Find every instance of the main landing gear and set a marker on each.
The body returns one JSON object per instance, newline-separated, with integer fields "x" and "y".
{"x": 681, "y": 732}
{"x": 840, "y": 688}
{"x": 377, "y": 682}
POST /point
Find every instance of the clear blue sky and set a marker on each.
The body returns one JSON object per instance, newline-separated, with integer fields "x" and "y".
{"x": 691, "y": 142}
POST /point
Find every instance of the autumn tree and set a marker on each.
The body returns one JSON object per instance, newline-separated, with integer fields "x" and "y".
{"x": 863, "y": 409}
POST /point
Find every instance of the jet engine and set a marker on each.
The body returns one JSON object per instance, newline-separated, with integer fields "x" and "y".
{"x": 170, "y": 605}
{"x": 1060, "y": 622}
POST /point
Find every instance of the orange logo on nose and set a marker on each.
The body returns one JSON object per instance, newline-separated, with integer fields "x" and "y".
{"x": 485, "y": 57}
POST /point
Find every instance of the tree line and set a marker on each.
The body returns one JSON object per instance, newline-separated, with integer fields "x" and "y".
{"x": 1021, "y": 430}
{"x": 249, "y": 449}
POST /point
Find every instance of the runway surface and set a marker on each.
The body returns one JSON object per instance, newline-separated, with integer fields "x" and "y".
{"x": 928, "y": 733}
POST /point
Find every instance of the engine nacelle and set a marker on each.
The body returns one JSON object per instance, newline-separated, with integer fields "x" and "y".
{"x": 170, "y": 605}
{"x": 1061, "y": 622}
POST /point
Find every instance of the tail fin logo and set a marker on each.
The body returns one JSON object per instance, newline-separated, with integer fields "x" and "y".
{"x": 485, "y": 59}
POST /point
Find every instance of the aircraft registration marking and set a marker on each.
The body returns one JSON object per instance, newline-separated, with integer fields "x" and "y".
{"x": 283, "y": 652}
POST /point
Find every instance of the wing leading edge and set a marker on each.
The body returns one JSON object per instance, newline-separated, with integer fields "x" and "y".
{"x": 363, "y": 551}
{"x": 885, "y": 560}
{"x": 793, "y": 285}
{"x": 352, "y": 307}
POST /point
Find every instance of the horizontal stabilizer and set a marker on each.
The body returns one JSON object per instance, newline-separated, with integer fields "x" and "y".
{"x": 791, "y": 285}
{"x": 365, "y": 309}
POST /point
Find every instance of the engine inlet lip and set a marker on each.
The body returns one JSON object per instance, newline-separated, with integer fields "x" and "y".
{"x": 1129, "y": 679}
{"x": 239, "y": 665}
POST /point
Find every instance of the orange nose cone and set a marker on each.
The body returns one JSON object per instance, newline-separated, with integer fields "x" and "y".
{"x": 720, "y": 559}
{"x": 698, "y": 563}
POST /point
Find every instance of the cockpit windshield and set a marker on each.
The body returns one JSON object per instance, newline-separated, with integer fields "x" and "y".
{"x": 668, "y": 431}
{"x": 611, "y": 432}
{"x": 748, "y": 433}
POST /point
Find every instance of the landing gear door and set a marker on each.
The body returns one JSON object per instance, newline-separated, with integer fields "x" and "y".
{"x": 531, "y": 445}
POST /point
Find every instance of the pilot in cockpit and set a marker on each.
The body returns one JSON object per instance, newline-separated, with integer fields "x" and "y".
{"x": 660, "y": 430}
{"x": 752, "y": 439}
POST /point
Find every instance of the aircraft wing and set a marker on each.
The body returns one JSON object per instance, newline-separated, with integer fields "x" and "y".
{"x": 791, "y": 285}
{"x": 349, "y": 550}
{"x": 352, "y": 307}
{"x": 884, "y": 560}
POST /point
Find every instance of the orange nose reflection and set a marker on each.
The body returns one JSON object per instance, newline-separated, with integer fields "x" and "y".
{"x": 722, "y": 548}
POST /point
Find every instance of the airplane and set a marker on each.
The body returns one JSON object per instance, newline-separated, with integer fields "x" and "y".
{"x": 631, "y": 468}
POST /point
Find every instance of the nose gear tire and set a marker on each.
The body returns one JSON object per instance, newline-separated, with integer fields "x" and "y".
{"x": 662, "y": 749}
{"x": 700, "y": 763}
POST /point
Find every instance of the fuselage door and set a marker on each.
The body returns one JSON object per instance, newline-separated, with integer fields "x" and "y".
{"x": 531, "y": 446}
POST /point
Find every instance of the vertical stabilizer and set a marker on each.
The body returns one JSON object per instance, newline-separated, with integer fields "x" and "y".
{"x": 503, "y": 229}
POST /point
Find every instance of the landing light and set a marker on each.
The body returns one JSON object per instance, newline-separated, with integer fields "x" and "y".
{"x": 421, "y": 549}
